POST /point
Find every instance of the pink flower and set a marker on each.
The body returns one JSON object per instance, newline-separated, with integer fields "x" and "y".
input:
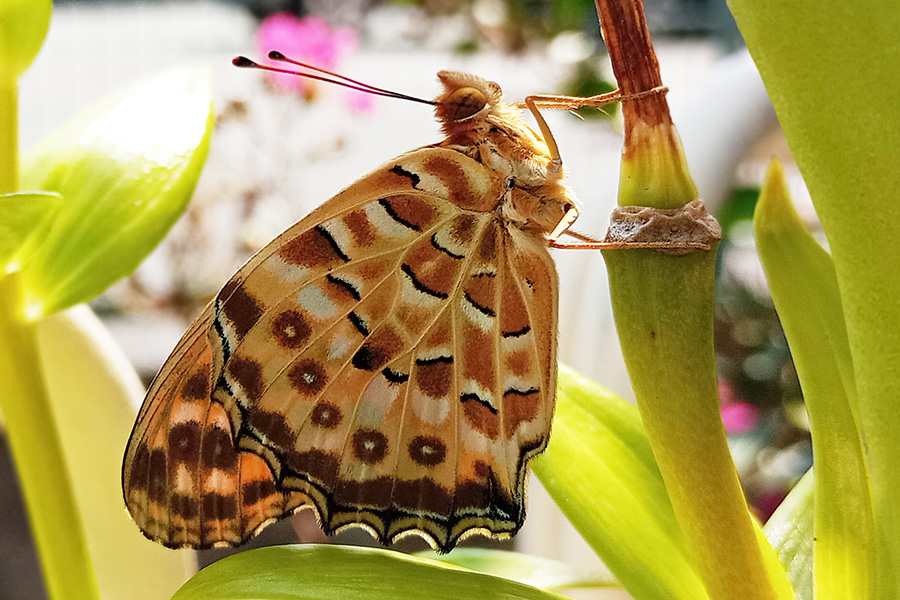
{"x": 739, "y": 417}
{"x": 308, "y": 39}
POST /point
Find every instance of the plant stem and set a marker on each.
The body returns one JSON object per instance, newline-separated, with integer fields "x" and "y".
{"x": 664, "y": 315}
{"x": 663, "y": 307}
{"x": 9, "y": 135}
{"x": 35, "y": 445}
{"x": 654, "y": 171}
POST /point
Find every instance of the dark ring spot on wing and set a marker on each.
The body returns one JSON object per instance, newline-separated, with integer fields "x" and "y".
{"x": 308, "y": 377}
{"x": 326, "y": 415}
{"x": 197, "y": 387}
{"x": 398, "y": 170}
{"x": 482, "y": 309}
{"x": 427, "y": 451}
{"x": 516, "y": 333}
{"x": 446, "y": 251}
{"x": 217, "y": 450}
{"x": 369, "y": 445}
{"x": 476, "y": 398}
{"x": 291, "y": 329}
{"x": 421, "y": 286}
{"x": 184, "y": 441}
{"x": 344, "y": 284}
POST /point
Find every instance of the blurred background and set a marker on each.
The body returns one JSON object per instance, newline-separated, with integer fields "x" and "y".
{"x": 282, "y": 147}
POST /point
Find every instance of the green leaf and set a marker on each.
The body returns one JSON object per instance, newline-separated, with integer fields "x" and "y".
{"x": 540, "y": 572}
{"x": 601, "y": 472}
{"x": 23, "y": 26}
{"x": 20, "y": 214}
{"x": 127, "y": 167}
{"x": 831, "y": 72}
{"x": 805, "y": 290}
{"x": 323, "y": 572}
{"x": 790, "y": 531}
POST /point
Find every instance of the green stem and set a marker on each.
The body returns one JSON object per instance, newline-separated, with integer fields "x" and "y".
{"x": 9, "y": 135}
{"x": 663, "y": 307}
{"x": 36, "y": 450}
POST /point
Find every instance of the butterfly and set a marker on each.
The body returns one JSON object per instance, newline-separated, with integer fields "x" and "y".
{"x": 389, "y": 361}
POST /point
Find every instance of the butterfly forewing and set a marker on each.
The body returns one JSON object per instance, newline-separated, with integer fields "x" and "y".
{"x": 389, "y": 360}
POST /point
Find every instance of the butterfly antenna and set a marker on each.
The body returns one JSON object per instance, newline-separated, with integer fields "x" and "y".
{"x": 245, "y": 63}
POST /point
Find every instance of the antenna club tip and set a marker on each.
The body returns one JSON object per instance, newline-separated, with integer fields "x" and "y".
{"x": 243, "y": 62}
{"x": 276, "y": 55}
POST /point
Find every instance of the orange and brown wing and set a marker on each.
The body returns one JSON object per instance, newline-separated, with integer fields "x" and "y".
{"x": 336, "y": 373}
{"x": 185, "y": 483}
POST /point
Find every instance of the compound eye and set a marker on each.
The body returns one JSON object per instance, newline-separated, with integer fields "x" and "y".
{"x": 463, "y": 103}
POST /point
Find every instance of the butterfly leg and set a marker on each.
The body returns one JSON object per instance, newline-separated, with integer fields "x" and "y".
{"x": 555, "y": 159}
{"x": 574, "y": 102}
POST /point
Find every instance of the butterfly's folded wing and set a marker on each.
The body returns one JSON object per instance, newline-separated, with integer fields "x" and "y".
{"x": 390, "y": 359}
{"x": 185, "y": 482}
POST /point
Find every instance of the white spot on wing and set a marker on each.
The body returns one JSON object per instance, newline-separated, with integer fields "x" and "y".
{"x": 376, "y": 402}
{"x": 340, "y": 233}
{"x": 275, "y": 265}
{"x": 219, "y": 482}
{"x": 189, "y": 411}
{"x": 184, "y": 484}
{"x": 483, "y": 321}
{"x": 410, "y": 295}
{"x": 445, "y": 240}
{"x": 385, "y": 223}
{"x": 432, "y": 353}
{"x": 339, "y": 347}
{"x": 511, "y": 344}
{"x": 430, "y": 183}
{"x": 433, "y": 411}
{"x": 314, "y": 301}
{"x": 470, "y": 386}
{"x": 513, "y": 382}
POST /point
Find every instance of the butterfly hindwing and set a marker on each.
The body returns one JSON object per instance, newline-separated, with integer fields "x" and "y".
{"x": 362, "y": 363}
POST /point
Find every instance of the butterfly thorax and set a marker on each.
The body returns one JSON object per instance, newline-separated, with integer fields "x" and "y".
{"x": 479, "y": 123}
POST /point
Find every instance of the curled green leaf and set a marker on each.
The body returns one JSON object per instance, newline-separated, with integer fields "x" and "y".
{"x": 601, "y": 472}
{"x": 20, "y": 215}
{"x": 322, "y": 572}
{"x": 790, "y": 531}
{"x": 804, "y": 287}
{"x": 23, "y": 26}
{"x": 544, "y": 573}
{"x": 127, "y": 167}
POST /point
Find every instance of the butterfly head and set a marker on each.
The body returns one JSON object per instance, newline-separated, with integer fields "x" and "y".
{"x": 470, "y": 104}
{"x": 466, "y": 98}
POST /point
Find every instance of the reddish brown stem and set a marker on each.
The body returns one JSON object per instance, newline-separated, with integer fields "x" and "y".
{"x": 654, "y": 172}
{"x": 633, "y": 59}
